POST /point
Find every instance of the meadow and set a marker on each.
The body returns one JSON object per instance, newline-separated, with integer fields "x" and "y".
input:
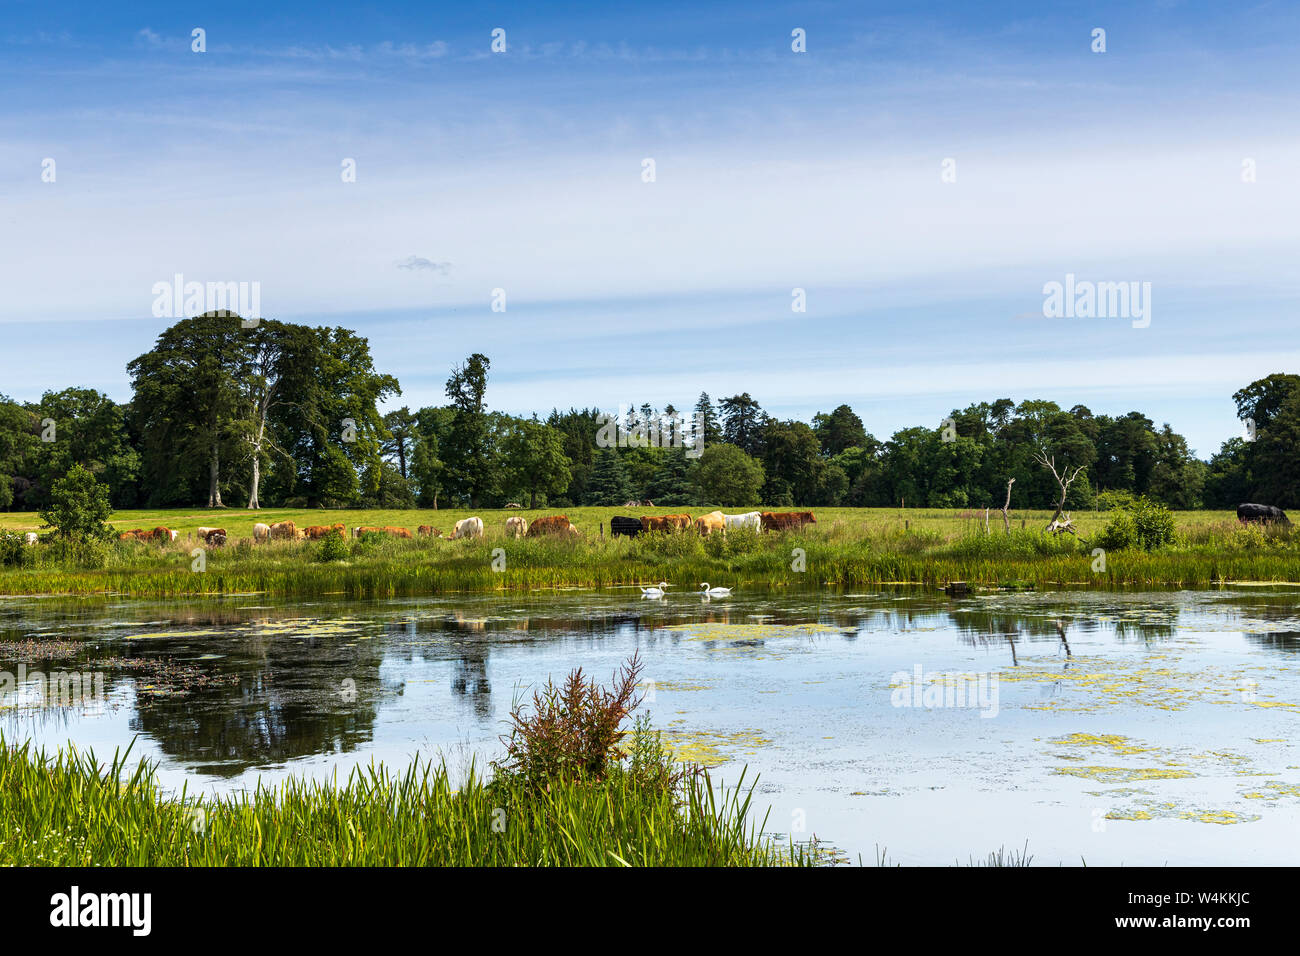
{"x": 847, "y": 547}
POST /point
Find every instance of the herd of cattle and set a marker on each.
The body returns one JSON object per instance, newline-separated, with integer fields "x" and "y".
{"x": 516, "y": 527}
{"x": 519, "y": 527}
{"x": 711, "y": 522}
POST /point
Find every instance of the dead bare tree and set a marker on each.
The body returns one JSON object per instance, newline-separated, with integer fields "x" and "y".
{"x": 1064, "y": 478}
{"x": 1006, "y": 522}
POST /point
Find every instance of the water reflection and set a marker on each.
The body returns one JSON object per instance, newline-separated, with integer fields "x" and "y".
{"x": 222, "y": 686}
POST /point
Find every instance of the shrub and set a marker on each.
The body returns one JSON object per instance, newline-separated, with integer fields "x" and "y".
{"x": 1154, "y": 523}
{"x": 1141, "y": 523}
{"x": 571, "y": 732}
{"x": 334, "y": 547}
{"x": 79, "y": 506}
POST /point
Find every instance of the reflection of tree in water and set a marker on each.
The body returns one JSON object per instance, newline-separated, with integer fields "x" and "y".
{"x": 294, "y": 697}
{"x": 985, "y": 626}
{"x": 288, "y": 698}
{"x": 1287, "y": 642}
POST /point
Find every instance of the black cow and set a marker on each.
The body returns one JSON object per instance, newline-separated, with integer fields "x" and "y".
{"x": 1266, "y": 513}
{"x": 631, "y": 527}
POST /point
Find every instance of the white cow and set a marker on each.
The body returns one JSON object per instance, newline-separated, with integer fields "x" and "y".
{"x": 29, "y": 537}
{"x": 468, "y": 528}
{"x": 261, "y": 532}
{"x": 516, "y": 527}
{"x": 750, "y": 519}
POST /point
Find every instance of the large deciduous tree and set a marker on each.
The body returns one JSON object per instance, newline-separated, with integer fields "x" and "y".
{"x": 468, "y": 451}
{"x": 186, "y": 398}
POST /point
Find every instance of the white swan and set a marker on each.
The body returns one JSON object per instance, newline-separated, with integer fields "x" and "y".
{"x": 715, "y": 592}
{"x": 655, "y": 592}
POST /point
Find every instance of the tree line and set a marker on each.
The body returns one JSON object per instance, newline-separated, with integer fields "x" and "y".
{"x": 288, "y": 415}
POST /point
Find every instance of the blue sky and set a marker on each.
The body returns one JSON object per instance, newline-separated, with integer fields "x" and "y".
{"x": 774, "y": 171}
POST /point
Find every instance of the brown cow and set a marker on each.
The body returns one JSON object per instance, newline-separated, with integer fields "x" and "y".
{"x": 555, "y": 524}
{"x": 323, "y": 531}
{"x": 428, "y": 531}
{"x": 215, "y": 537}
{"x": 784, "y": 520}
{"x": 284, "y": 529}
{"x": 135, "y": 534}
{"x": 711, "y": 522}
{"x": 680, "y": 522}
{"x": 367, "y": 529}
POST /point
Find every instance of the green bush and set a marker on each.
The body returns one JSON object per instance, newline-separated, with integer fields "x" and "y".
{"x": 334, "y": 547}
{"x": 1155, "y": 524}
{"x": 79, "y": 507}
{"x": 1140, "y": 523}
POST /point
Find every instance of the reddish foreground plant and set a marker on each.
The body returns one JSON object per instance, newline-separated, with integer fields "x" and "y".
{"x": 571, "y": 731}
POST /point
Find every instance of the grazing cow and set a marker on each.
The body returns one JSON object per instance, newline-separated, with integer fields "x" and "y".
{"x": 574, "y": 532}
{"x": 516, "y": 527}
{"x": 638, "y": 504}
{"x": 214, "y": 537}
{"x": 665, "y": 522}
{"x": 261, "y": 532}
{"x": 711, "y": 522}
{"x": 784, "y": 520}
{"x": 750, "y": 519}
{"x": 514, "y": 504}
{"x": 284, "y": 529}
{"x": 468, "y": 528}
{"x": 160, "y": 535}
{"x": 391, "y": 532}
{"x": 630, "y": 527}
{"x": 30, "y": 537}
{"x": 202, "y": 533}
{"x": 428, "y": 531}
{"x": 323, "y": 531}
{"x": 1248, "y": 513}
{"x": 555, "y": 524}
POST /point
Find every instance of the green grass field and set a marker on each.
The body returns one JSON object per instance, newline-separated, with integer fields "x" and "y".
{"x": 846, "y": 547}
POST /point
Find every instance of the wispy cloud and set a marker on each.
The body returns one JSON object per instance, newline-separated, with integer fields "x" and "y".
{"x": 421, "y": 264}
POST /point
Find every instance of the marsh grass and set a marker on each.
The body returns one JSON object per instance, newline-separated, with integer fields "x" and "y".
{"x": 572, "y": 790}
{"x": 847, "y": 547}
{"x": 71, "y": 810}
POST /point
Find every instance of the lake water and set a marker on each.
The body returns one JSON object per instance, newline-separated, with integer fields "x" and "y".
{"x": 1116, "y": 728}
